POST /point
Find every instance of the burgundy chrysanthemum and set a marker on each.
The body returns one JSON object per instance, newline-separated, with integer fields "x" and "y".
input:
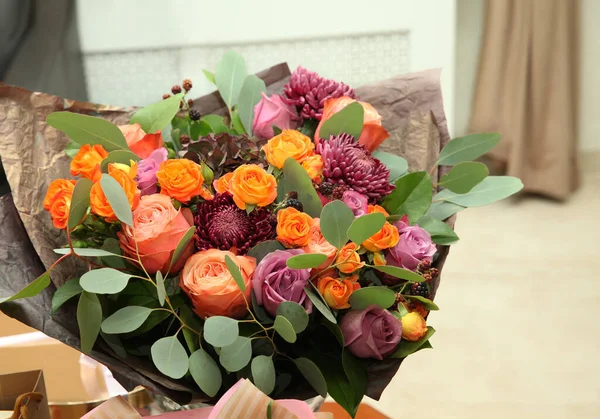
{"x": 308, "y": 91}
{"x": 347, "y": 163}
{"x": 220, "y": 224}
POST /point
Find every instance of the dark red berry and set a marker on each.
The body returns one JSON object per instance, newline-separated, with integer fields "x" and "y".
{"x": 176, "y": 89}
{"x": 293, "y": 195}
{"x": 185, "y": 139}
{"x": 190, "y": 103}
{"x": 194, "y": 114}
{"x": 166, "y": 96}
{"x": 187, "y": 85}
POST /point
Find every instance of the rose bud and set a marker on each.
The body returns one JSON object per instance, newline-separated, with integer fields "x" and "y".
{"x": 414, "y": 326}
{"x": 273, "y": 111}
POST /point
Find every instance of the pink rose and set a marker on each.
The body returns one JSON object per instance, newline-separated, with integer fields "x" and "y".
{"x": 358, "y": 203}
{"x": 371, "y": 333}
{"x": 414, "y": 246}
{"x": 273, "y": 111}
{"x": 139, "y": 142}
{"x": 147, "y": 168}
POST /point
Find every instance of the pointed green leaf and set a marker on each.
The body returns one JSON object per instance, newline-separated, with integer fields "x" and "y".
{"x": 492, "y": 189}
{"x": 160, "y": 288}
{"x": 169, "y": 357}
{"x": 183, "y": 243}
{"x": 32, "y": 289}
{"x": 236, "y": 122}
{"x": 412, "y": 196}
{"x": 86, "y": 252}
{"x": 336, "y": 219}
{"x": 263, "y": 373}
{"x": 126, "y": 320}
{"x": 285, "y": 329}
{"x": 215, "y": 122}
{"x": 464, "y": 176}
{"x": 104, "y": 281}
{"x": 294, "y": 313}
{"x": 441, "y": 233}
{"x": 467, "y": 148}
{"x": 400, "y": 273}
{"x": 405, "y": 348}
{"x": 250, "y": 95}
{"x": 234, "y": 270}
{"x": 236, "y": 356}
{"x": 356, "y": 372}
{"x": 229, "y": 77}
{"x": 118, "y": 156}
{"x": 295, "y": 179}
{"x": 68, "y": 290}
{"x": 117, "y": 199}
{"x": 205, "y": 372}
{"x": 306, "y": 261}
{"x": 250, "y": 208}
{"x": 396, "y": 164}
{"x": 443, "y": 210}
{"x": 363, "y": 297}
{"x": 221, "y": 331}
{"x": 318, "y": 302}
{"x": 72, "y": 148}
{"x": 365, "y": 226}
{"x": 156, "y": 117}
{"x": 427, "y": 303}
{"x": 89, "y": 318}
{"x": 199, "y": 129}
{"x": 313, "y": 375}
{"x": 263, "y": 249}
{"x": 349, "y": 120}
{"x": 80, "y": 202}
{"x": 210, "y": 76}
{"x": 191, "y": 320}
{"x": 84, "y": 129}
{"x": 115, "y": 344}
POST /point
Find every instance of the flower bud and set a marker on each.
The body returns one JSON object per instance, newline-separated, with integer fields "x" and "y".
{"x": 414, "y": 327}
{"x": 207, "y": 172}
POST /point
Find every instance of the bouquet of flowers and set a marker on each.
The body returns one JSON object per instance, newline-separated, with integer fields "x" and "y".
{"x": 276, "y": 243}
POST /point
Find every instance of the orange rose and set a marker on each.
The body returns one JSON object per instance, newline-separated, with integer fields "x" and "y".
{"x": 182, "y": 180}
{"x": 379, "y": 259}
{"x": 221, "y": 185}
{"x": 376, "y": 208}
{"x": 414, "y": 305}
{"x": 211, "y": 288}
{"x": 372, "y": 135}
{"x": 318, "y": 244}
{"x": 290, "y": 143}
{"x": 86, "y": 162}
{"x": 59, "y": 210}
{"x": 337, "y": 292}
{"x": 348, "y": 260}
{"x": 385, "y": 238}
{"x": 252, "y": 185}
{"x": 293, "y": 227}
{"x": 100, "y": 205}
{"x": 314, "y": 167}
{"x": 139, "y": 142}
{"x": 56, "y": 188}
{"x": 414, "y": 326}
{"x": 158, "y": 228}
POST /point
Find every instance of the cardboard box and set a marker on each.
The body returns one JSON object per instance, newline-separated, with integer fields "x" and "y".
{"x": 12, "y": 386}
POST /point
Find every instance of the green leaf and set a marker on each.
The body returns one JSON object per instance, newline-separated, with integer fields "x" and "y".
{"x": 492, "y": 189}
{"x": 295, "y": 179}
{"x": 250, "y": 208}
{"x": 467, "y": 148}
{"x": 104, "y": 281}
{"x": 86, "y": 252}
{"x": 306, "y": 261}
{"x": 118, "y": 156}
{"x": 405, "y": 348}
{"x": 160, "y": 288}
{"x": 443, "y": 210}
{"x": 200, "y": 128}
{"x": 221, "y": 331}
{"x": 156, "y": 117}
{"x": 365, "y": 226}
{"x": 363, "y": 297}
{"x": 72, "y": 148}
{"x": 250, "y": 95}
{"x": 270, "y": 409}
{"x": 263, "y": 373}
{"x": 400, "y": 273}
{"x": 84, "y": 129}
{"x": 263, "y": 249}
{"x": 115, "y": 344}
{"x": 464, "y": 176}
{"x": 260, "y": 312}
{"x": 349, "y": 120}
{"x": 396, "y": 164}
{"x": 357, "y": 376}
{"x": 125, "y": 320}
{"x": 336, "y": 219}
{"x": 191, "y": 320}
{"x": 210, "y": 76}
{"x": 89, "y": 318}
{"x": 183, "y": 243}
{"x": 412, "y": 196}
{"x": 229, "y": 77}
{"x": 236, "y": 356}
{"x": 294, "y": 313}
{"x": 215, "y": 123}
{"x": 80, "y": 202}
{"x": 427, "y": 303}
{"x": 285, "y": 329}
{"x": 313, "y": 375}
{"x": 32, "y": 289}
{"x": 68, "y": 290}
{"x": 117, "y": 199}
{"x": 234, "y": 270}
{"x": 236, "y": 122}
{"x": 112, "y": 246}
{"x": 441, "y": 233}
{"x": 169, "y": 357}
{"x": 276, "y": 130}
{"x": 205, "y": 372}
{"x": 320, "y": 304}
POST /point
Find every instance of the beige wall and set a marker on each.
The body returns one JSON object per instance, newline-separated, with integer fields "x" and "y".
{"x": 469, "y": 30}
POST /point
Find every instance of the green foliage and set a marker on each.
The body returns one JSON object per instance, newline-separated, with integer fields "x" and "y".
{"x": 336, "y": 219}
{"x": 263, "y": 373}
{"x": 250, "y": 95}
{"x": 236, "y": 122}
{"x": 156, "y": 117}
{"x": 84, "y": 129}
{"x": 319, "y": 304}
{"x": 365, "y": 226}
{"x": 294, "y": 313}
{"x": 285, "y": 329}
{"x": 306, "y": 261}
{"x": 87, "y": 252}
{"x": 405, "y": 348}
{"x": 464, "y": 176}
{"x": 427, "y": 303}
{"x": 443, "y": 210}
{"x": 412, "y": 196}
{"x": 169, "y": 357}
{"x": 118, "y": 156}
{"x": 126, "y": 320}
{"x": 441, "y": 233}
{"x": 210, "y": 76}
{"x": 89, "y": 318}
{"x": 349, "y": 120}
{"x": 68, "y": 290}
{"x": 72, "y": 148}
{"x": 492, "y": 189}
{"x": 313, "y": 375}
{"x": 229, "y": 77}
{"x": 234, "y": 270}
{"x": 181, "y": 245}
{"x": 295, "y": 179}
{"x": 215, "y": 123}
{"x": 205, "y": 372}
{"x": 221, "y": 331}
{"x": 117, "y": 199}
{"x": 32, "y": 289}
{"x": 467, "y": 148}
{"x": 104, "y": 281}
{"x": 236, "y": 356}
{"x": 363, "y": 297}
{"x": 80, "y": 202}
{"x": 160, "y": 288}
{"x": 357, "y": 377}
{"x": 397, "y": 165}
{"x": 400, "y": 273}
{"x": 263, "y": 249}
{"x": 191, "y": 320}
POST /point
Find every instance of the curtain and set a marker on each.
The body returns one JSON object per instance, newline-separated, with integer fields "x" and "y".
{"x": 527, "y": 90}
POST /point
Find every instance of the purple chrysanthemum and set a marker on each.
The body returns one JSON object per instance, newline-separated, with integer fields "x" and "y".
{"x": 222, "y": 225}
{"x": 308, "y": 92}
{"x": 347, "y": 164}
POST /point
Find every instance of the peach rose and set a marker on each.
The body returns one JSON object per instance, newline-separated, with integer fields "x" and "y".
{"x": 158, "y": 228}
{"x": 86, "y": 163}
{"x": 372, "y": 135}
{"x": 314, "y": 167}
{"x": 252, "y": 185}
{"x": 221, "y": 184}
{"x": 318, "y": 244}
{"x": 337, "y": 292}
{"x": 182, "y": 179}
{"x": 290, "y": 143}
{"x": 414, "y": 326}
{"x": 211, "y": 288}
{"x": 385, "y": 238}
{"x": 293, "y": 227}
{"x": 348, "y": 260}
{"x": 100, "y": 205}
{"x": 56, "y": 188}
{"x": 139, "y": 142}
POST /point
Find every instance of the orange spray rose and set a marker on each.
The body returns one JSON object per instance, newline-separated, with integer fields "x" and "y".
{"x": 290, "y": 143}
{"x": 86, "y": 163}
{"x": 314, "y": 167}
{"x": 385, "y": 238}
{"x": 348, "y": 260}
{"x": 337, "y": 292}
{"x": 56, "y": 188}
{"x": 139, "y": 142}
{"x": 293, "y": 227}
{"x": 414, "y": 326}
{"x": 221, "y": 184}
{"x": 182, "y": 180}
{"x": 252, "y": 185}
{"x": 100, "y": 205}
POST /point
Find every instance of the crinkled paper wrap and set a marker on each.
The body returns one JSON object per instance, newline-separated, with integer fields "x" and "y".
{"x": 33, "y": 155}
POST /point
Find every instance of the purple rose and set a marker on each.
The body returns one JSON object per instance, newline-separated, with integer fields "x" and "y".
{"x": 273, "y": 111}
{"x": 358, "y": 203}
{"x": 147, "y": 168}
{"x": 414, "y": 246}
{"x": 273, "y": 282}
{"x": 371, "y": 333}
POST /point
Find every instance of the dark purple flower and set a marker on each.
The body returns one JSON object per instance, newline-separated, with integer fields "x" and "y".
{"x": 414, "y": 246}
{"x": 147, "y": 168}
{"x": 220, "y": 224}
